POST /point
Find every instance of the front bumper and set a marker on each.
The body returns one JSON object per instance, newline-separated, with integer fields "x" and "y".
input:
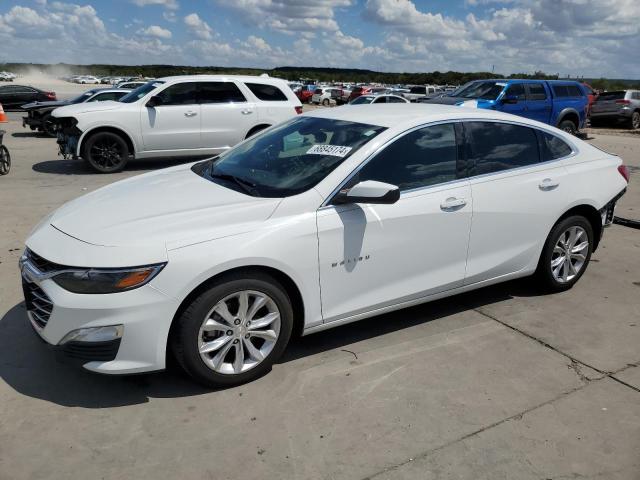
{"x": 145, "y": 315}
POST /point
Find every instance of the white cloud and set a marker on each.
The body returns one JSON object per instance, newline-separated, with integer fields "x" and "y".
{"x": 198, "y": 27}
{"x": 155, "y": 31}
{"x": 170, "y": 4}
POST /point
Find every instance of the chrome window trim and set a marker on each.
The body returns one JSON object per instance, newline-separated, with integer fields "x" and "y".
{"x": 574, "y": 152}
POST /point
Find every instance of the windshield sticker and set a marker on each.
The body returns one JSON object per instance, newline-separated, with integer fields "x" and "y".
{"x": 333, "y": 150}
{"x": 501, "y": 84}
{"x": 368, "y": 133}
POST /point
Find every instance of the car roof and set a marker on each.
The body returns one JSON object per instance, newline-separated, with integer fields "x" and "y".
{"x": 406, "y": 114}
{"x": 241, "y": 78}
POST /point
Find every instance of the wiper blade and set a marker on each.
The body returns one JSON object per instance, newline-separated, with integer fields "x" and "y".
{"x": 246, "y": 185}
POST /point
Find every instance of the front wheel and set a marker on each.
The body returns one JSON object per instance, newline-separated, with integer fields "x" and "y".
{"x": 106, "y": 152}
{"x": 566, "y": 253}
{"x": 234, "y": 332}
{"x": 634, "y": 122}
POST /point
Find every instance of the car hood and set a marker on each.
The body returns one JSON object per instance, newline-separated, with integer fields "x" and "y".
{"x": 446, "y": 100}
{"x": 37, "y": 105}
{"x": 71, "y": 110}
{"x": 173, "y": 207}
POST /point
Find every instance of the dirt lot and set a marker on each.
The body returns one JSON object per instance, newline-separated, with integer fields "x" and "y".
{"x": 502, "y": 383}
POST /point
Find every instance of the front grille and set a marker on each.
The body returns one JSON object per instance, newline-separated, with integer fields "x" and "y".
{"x": 37, "y": 302}
{"x": 44, "y": 265}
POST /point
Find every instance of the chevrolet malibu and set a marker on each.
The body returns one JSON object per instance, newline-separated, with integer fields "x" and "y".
{"x": 328, "y": 218}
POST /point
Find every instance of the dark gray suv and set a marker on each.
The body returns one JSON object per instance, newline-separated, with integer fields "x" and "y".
{"x": 615, "y": 107}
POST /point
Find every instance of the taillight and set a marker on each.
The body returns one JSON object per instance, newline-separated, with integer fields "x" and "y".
{"x": 298, "y": 110}
{"x": 624, "y": 171}
{"x": 624, "y": 102}
{"x": 50, "y": 95}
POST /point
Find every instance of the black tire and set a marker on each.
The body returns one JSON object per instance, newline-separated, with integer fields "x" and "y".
{"x": 105, "y": 152}
{"x": 5, "y": 160}
{"x": 568, "y": 126}
{"x": 185, "y": 334}
{"x": 634, "y": 121}
{"x": 544, "y": 272}
{"x": 326, "y": 102}
{"x": 48, "y": 126}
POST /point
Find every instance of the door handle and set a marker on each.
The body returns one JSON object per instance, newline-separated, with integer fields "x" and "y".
{"x": 548, "y": 184}
{"x": 190, "y": 114}
{"x": 247, "y": 112}
{"x": 452, "y": 203}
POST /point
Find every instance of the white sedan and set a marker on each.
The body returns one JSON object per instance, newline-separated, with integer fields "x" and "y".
{"x": 331, "y": 217}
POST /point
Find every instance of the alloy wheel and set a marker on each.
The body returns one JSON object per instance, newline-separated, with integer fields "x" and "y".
{"x": 106, "y": 154}
{"x": 239, "y": 332}
{"x": 569, "y": 254}
{"x": 5, "y": 160}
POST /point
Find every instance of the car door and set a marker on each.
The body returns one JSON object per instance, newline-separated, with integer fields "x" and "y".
{"x": 174, "y": 124}
{"x": 538, "y": 102}
{"x": 372, "y": 256}
{"x": 7, "y": 95}
{"x": 227, "y": 115}
{"x": 516, "y": 198}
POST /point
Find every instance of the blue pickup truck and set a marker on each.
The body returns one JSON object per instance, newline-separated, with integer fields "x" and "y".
{"x": 560, "y": 103}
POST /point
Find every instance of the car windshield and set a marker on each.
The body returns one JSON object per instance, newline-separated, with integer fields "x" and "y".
{"x": 362, "y": 99}
{"x": 288, "y": 159}
{"x": 140, "y": 92}
{"x": 418, "y": 90}
{"x": 485, "y": 90}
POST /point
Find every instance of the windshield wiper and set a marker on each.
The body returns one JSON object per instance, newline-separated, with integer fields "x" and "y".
{"x": 246, "y": 185}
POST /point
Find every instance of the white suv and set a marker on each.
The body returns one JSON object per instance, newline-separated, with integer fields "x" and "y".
{"x": 173, "y": 117}
{"x": 334, "y": 216}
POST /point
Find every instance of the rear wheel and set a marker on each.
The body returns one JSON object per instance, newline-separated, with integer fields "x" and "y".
{"x": 566, "y": 253}
{"x": 634, "y": 122}
{"x": 233, "y": 332}
{"x": 106, "y": 152}
{"x": 5, "y": 160}
{"x": 568, "y": 126}
{"x": 326, "y": 102}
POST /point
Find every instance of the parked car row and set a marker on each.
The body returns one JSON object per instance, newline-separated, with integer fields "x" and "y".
{"x": 7, "y": 77}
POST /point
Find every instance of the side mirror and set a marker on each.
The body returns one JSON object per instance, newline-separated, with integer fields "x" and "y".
{"x": 154, "y": 101}
{"x": 510, "y": 99}
{"x": 369, "y": 191}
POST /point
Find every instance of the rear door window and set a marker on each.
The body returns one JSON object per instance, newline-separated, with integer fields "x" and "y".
{"x": 494, "y": 147}
{"x": 424, "y": 157}
{"x": 560, "y": 91}
{"x": 267, "y": 93}
{"x": 220, "y": 92}
{"x": 536, "y": 92}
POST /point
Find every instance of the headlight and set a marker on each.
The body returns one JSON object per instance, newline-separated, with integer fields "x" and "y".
{"x": 98, "y": 280}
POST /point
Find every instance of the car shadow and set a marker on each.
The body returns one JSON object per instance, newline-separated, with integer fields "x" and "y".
{"x": 31, "y": 134}
{"x": 79, "y": 167}
{"x": 29, "y": 367}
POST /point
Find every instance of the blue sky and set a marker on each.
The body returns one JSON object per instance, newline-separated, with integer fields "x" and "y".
{"x": 576, "y": 37}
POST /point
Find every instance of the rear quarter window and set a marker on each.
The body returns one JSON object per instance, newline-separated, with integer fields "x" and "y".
{"x": 267, "y": 93}
{"x": 552, "y": 147}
